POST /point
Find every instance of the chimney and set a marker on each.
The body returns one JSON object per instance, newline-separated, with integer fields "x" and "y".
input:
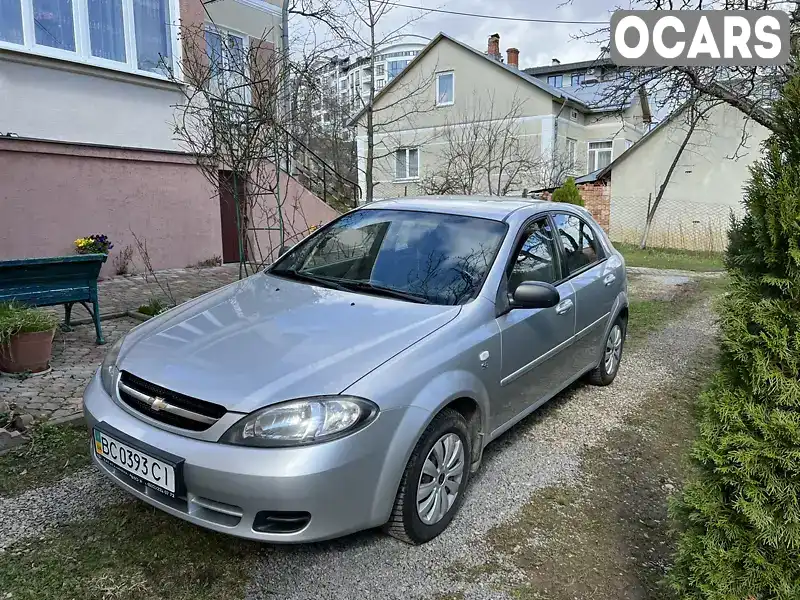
{"x": 556, "y": 62}
{"x": 513, "y": 58}
{"x": 494, "y": 46}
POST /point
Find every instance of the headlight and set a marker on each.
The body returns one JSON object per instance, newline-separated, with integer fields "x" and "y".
{"x": 300, "y": 422}
{"x": 109, "y": 369}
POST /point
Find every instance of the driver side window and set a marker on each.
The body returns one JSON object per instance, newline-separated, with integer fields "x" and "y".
{"x": 535, "y": 259}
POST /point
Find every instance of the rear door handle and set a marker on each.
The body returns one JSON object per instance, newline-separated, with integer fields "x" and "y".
{"x": 564, "y": 307}
{"x": 609, "y": 279}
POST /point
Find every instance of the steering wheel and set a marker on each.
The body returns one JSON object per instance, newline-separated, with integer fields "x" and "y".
{"x": 525, "y": 254}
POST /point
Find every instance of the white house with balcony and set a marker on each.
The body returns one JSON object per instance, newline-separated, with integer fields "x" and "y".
{"x": 88, "y": 96}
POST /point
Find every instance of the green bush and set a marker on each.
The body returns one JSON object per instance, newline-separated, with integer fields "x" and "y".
{"x": 19, "y": 318}
{"x": 568, "y": 193}
{"x": 739, "y": 515}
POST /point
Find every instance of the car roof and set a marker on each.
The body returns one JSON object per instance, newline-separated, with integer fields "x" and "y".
{"x": 497, "y": 208}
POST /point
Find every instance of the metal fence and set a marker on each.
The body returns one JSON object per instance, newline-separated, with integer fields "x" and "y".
{"x": 684, "y": 224}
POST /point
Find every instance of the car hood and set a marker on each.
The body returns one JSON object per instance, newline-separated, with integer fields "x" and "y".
{"x": 266, "y": 339}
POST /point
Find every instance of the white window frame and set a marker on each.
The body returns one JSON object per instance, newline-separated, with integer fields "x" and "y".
{"x": 407, "y": 176}
{"x": 223, "y": 32}
{"x": 592, "y": 164}
{"x": 438, "y": 77}
{"x": 83, "y": 47}
{"x": 572, "y": 146}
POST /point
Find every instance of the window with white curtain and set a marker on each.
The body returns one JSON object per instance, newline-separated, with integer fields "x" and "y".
{"x": 599, "y": 155}
{"x": 11, "y": 21}
{"x": 106, "y": 30}
{"x": 130, "y": 35}
{"x": 227, "y": 55}
{"x": 406, "y": 163}
{"x": 54, "y": 24}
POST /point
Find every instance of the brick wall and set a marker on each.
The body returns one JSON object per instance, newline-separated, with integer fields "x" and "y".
{"x": 596, "y": 199}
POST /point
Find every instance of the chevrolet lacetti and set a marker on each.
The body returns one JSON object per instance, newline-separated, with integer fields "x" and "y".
{"x": 356, "y": 381}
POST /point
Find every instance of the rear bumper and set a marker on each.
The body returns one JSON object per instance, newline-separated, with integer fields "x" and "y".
{"x": 346, "y": 485}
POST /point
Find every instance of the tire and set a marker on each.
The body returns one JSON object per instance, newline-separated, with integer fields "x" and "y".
{"x": 604, "y": 374}
{"x": 406, "y": 522}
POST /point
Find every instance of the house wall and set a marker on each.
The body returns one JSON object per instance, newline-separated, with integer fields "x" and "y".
{"x": 95, "y": 154}
{"x": 406, "y": 116}
{"x": 301, "y": 212}
{"x": 51, "y": 194}
{"x": 411, "y": 103}
{"x": 703, "y": 190}
{"x": 60, "y": 100}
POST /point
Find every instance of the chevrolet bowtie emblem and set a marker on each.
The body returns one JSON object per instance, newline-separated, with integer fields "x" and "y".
{"x": 158, "y": 404}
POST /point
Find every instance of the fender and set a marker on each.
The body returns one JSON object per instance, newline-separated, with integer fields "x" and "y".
{"x": 431, "y": 399}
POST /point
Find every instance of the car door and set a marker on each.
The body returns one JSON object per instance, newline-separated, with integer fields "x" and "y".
{"x": 533, "y": 341}
{"x": 584, "y": 266}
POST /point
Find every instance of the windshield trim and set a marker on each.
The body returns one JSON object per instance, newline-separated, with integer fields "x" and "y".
{"x": 478, "y": 289}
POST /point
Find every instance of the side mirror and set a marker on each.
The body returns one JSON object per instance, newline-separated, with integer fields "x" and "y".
{"x": 535, "y": 294}
{"x": 284, "y": 250}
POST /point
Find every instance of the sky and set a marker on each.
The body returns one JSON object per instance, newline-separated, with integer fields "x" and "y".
{"x": 538, "y": 43}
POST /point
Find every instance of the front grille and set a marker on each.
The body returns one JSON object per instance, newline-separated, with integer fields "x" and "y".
{"x": 211, "y": 411}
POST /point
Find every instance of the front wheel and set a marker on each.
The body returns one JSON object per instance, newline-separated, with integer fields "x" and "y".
{"x": 607, "y": 370}
{"x": 434, "y": 481}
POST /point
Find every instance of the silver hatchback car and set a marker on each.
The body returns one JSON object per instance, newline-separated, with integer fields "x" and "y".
{"x": 356, "y": 382}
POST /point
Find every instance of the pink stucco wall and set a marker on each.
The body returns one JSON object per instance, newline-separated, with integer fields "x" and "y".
{"x": 301, "y": 210}
{"x": 51, "y": 194}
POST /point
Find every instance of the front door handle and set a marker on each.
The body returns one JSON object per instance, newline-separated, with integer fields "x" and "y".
{"x": 609, "y": 279}
{"x": 564, "y": 307}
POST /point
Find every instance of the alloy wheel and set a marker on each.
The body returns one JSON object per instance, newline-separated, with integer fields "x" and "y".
{"x": 440, "y": 480}
{"x": 613, "y": 351}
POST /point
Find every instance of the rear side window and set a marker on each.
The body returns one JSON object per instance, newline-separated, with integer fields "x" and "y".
{"x": 581, "y": 247}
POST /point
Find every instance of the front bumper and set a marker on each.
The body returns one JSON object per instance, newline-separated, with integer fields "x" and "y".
{"x": 345, "y": 485}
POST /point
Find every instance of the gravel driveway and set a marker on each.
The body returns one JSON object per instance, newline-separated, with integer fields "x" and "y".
{"x": 543, "y": 450}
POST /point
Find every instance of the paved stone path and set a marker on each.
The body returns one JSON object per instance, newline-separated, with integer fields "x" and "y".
{"x": 120, "y": 294}
{"x": 76, "y": 357}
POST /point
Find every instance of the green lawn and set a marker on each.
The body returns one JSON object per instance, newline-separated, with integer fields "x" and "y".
{"x": 670, "y": 258}
{"x": 131, "y": 551}
{"x": 54, "y": 452}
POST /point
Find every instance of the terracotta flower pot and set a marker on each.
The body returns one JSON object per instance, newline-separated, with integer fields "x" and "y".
{"x": 27, "y": 352}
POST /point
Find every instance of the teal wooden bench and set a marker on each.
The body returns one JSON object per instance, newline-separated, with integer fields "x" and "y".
{"x": 54, "y": 280}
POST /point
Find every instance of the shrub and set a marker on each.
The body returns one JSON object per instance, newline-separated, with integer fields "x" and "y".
{"x": 93, "y": 244}
{"x": 19, "y": 318}
{"x": 153, "y": 307}
{"x": 122, "y": 261}
{"x": 568, "y": 193}
{"x": 739, "y": 516}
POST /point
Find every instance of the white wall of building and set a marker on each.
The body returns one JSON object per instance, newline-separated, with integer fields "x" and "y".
{"x": 67, "y": 99}
{"x": 705, "y": 187}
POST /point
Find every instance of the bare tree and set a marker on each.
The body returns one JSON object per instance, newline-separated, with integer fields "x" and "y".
{"x": 230, "y": 122}
{"x": 694, "y": 115}
{"x": 370, "y": 32}
{"x": 485, "y": 150}
{"x": 749, "y": 89}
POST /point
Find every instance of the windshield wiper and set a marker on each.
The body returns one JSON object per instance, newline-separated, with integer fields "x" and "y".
{"x": 323, "y": 281}
{"x": 366, "y": 286}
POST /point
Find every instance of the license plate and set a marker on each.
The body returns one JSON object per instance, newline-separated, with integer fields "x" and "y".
{"x": 139, "y": 466}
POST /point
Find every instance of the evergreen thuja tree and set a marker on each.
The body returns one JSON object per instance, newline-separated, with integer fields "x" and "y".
{"x": 739, "y": 514}
{"x": 568, "y": 192}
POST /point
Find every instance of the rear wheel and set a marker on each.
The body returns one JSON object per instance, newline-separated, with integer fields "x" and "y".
{"x": 434, "y": 481}
{"x": 608, "y": 368}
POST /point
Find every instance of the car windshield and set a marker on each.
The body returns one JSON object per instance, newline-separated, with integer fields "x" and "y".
{"x": 416, "y": 256}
